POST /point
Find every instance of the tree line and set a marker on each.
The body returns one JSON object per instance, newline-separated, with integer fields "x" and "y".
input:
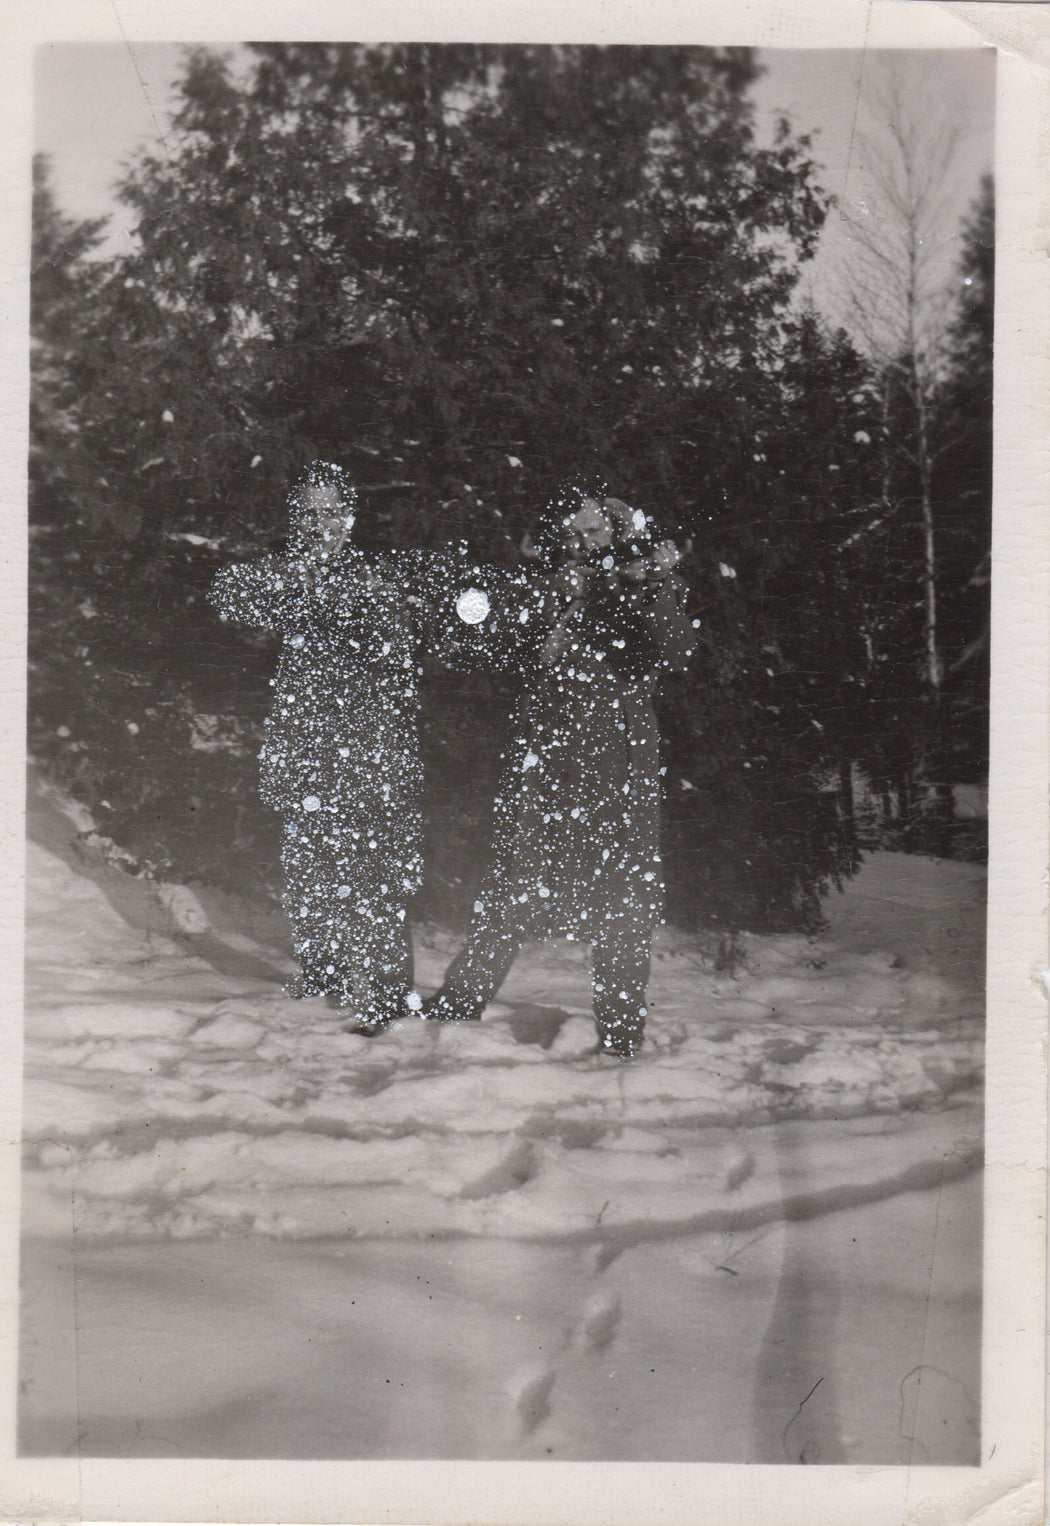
{"x": 464, "y": 273}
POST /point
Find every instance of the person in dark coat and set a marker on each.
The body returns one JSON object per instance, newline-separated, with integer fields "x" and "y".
{"x": 340, "y": 757}
{"x": 575, "y": 847}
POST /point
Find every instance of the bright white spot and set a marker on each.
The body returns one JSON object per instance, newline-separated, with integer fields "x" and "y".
{"x": 529, "y": 761}
{"x": 256, "y": 461}
{"x": 479, "y": 906}
{"x": 557, "y": 323}
{"x": 297, "y": 642}
{"x": 343, "y": 892}
{"x": 132, "y": 727}
{"x": 726, "y": 571}
{"x": 862, "y": 437}
{"x": 414, "y": 1001}
{"x": 167, "y": 416}
{"x": 638, "y": 521}
{"x": 514, "y": 460}
{"x": 473, "y": 606}
{"x": 311, "y": 803}
{"x": 544, "y": 892}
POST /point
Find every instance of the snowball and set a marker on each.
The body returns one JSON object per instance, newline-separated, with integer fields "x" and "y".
{"x": 473, "y": 606}
{"x": 311, "y": 803}
{"x": 529, "y": 761}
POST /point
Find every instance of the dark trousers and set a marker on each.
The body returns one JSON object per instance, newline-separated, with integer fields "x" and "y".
{"x": 355, "y": 946}
{"x": 620, "y": 957}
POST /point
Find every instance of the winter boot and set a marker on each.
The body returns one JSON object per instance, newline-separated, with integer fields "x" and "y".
{"x": 621, "y": 1042}
{"x": 439, "y": 1009}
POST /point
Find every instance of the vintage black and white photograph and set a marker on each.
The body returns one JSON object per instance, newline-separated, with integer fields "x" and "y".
{"x": 507, "y": 816}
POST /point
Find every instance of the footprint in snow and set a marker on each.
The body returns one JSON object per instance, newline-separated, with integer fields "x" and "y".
{"x": 601, "y": 1320}
{"x": 530, "y": 1390}
{"x": 514, "y": 1171}
{"x": 739, "y": 1166}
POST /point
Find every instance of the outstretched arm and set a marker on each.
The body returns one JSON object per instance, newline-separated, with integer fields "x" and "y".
{"x": 291, "y": 595}
{"x": 254, "y": 593}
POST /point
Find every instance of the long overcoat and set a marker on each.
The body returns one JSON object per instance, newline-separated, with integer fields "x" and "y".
{"x": 340, "y": 743}
{"x": 577, "y": 814}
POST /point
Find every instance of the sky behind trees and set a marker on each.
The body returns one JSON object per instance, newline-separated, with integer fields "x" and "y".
{"x": 96, "y": 103}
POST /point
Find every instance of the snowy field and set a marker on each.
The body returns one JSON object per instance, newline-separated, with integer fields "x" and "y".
{"x": 759, "y": 1241}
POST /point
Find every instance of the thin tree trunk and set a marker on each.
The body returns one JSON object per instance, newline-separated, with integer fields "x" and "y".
{"x": 847, "y": 811}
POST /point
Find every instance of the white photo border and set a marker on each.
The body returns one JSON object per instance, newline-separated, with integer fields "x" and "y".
{"x": 1007, "y": 1486}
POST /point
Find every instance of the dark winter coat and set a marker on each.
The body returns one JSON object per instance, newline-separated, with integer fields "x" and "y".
{"x": 341, "y": 742}
{"x": 577, "y": 813}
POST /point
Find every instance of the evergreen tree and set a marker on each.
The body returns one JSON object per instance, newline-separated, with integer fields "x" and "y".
{"x": 463, "y": 272}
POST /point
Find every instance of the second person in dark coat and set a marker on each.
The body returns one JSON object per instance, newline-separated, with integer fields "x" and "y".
{"x": 575, "y": 847}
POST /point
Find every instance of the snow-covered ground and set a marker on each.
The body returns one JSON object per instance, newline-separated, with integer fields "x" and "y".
{"x": 248, "y": 1234}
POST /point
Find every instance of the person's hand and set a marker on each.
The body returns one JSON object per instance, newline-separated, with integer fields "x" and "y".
{"x": 664, "y": 560}
{"x": 655, "y": 568}
{"x": 634, "y": 572}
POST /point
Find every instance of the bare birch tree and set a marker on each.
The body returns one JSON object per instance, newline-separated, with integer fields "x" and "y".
{"x": 898, "y": 253}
